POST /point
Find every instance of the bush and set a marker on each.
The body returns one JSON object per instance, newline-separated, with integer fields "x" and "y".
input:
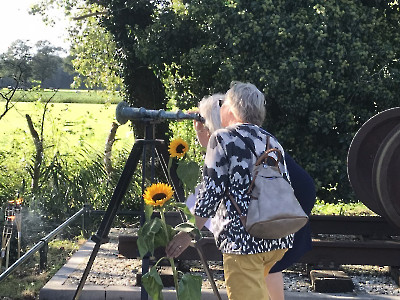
{"x": 325, "y": 67}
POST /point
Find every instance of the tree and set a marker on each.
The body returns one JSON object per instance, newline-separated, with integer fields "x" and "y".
{"x": 45, "y": 62}
{"x": 16, "y": 62}
{"x": 92, "y": 51}
{"x": 101, "y": 62}
{"x": 316, "y": 62}
{"x": 63, "y": 76}
{"x": 325, "y": 67}
{"x": 14, "y": 71}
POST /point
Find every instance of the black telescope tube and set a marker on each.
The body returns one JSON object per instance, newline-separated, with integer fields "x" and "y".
{"x": 124, "y": 113}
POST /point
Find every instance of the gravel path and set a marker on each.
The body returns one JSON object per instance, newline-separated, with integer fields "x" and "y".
{"x": 110, "y": 268}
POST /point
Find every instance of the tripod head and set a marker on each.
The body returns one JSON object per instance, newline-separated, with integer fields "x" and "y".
{"x": 124, "y": 113}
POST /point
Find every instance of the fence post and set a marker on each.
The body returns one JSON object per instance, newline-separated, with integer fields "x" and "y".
{"x": 43, "y": 255}
{"x": 86, "y": 221}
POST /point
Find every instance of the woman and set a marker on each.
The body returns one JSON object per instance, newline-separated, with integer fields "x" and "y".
{"x": 209, "y": 110}
{"x": 304, "y": 190}
{"x": 228, "y": 167}
{"x": 302, "y": 184}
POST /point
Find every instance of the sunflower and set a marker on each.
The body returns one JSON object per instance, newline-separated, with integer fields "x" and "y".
{"x": 157, "y": 194}
{"x": 178, "y": 148}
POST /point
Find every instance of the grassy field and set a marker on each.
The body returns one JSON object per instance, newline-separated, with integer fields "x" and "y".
{"x": 67, "y": 128}
{"x": 67, "y": 125}
{"x": 68, "y": 96}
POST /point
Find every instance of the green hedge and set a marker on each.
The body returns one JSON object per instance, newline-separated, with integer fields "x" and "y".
{"x": 325, "y": 66}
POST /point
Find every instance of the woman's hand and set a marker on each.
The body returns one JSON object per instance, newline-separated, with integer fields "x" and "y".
{"x": 178, "y": 244}
{"x": 203, "y": 134}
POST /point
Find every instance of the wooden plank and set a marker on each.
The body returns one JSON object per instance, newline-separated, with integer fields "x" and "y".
{"x": 353, "y": 225}
{"x": 374, "y": 252}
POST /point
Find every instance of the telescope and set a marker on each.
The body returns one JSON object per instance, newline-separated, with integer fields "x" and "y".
{"x": 124, "y": 113}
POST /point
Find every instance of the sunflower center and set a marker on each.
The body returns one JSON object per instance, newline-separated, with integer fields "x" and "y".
{"x": 159, "y": 196}
{"x": 180, "y": 148}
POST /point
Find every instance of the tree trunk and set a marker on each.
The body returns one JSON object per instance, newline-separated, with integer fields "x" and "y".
{"x": 39, "y": 154}
{"x": 108, "y": 149}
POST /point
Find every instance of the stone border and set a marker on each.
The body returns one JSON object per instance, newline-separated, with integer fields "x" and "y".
{"x": 56, "y": 289}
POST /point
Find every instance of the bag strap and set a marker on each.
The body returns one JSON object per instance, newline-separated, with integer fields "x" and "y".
{"x": 267, "y": 151}
{"x": 233, "y": 201}
{"x": 262, "y": 157}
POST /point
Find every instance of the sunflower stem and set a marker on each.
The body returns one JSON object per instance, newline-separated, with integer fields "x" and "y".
{"x": 169, "y": 165}
{"x": 171, "y": 260}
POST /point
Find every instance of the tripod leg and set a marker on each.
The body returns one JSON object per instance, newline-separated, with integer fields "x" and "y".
{"x": 102, "y": 234}
{"x": 207, "y": 270}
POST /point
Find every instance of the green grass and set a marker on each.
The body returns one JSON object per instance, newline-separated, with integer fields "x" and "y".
{"x": 68, "y": 96}
{"x": 341, "y": 209}
{"x": 67, "y": 127}
{"x": 26, "y": 282}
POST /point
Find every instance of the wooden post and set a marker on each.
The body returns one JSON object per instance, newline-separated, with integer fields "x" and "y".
{"x": 43, "y": 256}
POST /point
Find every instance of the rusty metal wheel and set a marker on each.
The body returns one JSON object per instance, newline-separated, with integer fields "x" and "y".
{"x": 362, "y": 153}
{"x": 386, "y": 175}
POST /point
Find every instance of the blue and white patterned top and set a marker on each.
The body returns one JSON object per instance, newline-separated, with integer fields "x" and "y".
{"x": 229, "y": 164}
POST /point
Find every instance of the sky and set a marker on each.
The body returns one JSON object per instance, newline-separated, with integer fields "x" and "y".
{"x": 16, "y": 23}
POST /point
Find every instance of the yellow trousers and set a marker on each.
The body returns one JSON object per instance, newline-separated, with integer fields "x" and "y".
{"x": 245, "y": 274}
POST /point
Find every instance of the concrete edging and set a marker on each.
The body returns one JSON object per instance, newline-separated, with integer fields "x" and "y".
{"x": 56, "y": 289}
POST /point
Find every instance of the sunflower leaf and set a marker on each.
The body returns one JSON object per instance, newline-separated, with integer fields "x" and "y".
{"x": 190, "y": 287}
{"x": 152, "y": 283}
{"x": 183, "y": 207}
{"x": 146, "y": 235}
{"x": 148, "y": 211}
{"x": 188, "y": 173}
{"x": 161, "y": 239}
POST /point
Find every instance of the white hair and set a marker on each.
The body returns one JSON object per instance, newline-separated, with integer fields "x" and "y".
{"x": 248, "y": 102}
{"x": 209, "y": 109}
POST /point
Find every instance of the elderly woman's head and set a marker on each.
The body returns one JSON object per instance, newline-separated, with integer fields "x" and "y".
{"x": 243, "y": 103}
{"x": 209, "y": 109}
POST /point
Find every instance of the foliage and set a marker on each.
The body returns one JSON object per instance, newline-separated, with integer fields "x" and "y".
{"x": 29, "y": 64}
{"x": 321, "y": 71}
{"x": 155, "y": 232}
{"x": 102, "y": 70}
{"x": 27, "y": 280}
{"x": 45, "y": 62}
{"x": 341, "y": 209}
{"x": 68, "y": 96}
{"x": 72, "y": 172}
{"x": 92, "y": 49}
{"x": 15, "y": 63}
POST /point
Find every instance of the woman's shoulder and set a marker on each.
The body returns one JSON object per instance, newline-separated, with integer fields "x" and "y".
{"x": 255, "y": 132}
{"x": 247, "y": 131}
